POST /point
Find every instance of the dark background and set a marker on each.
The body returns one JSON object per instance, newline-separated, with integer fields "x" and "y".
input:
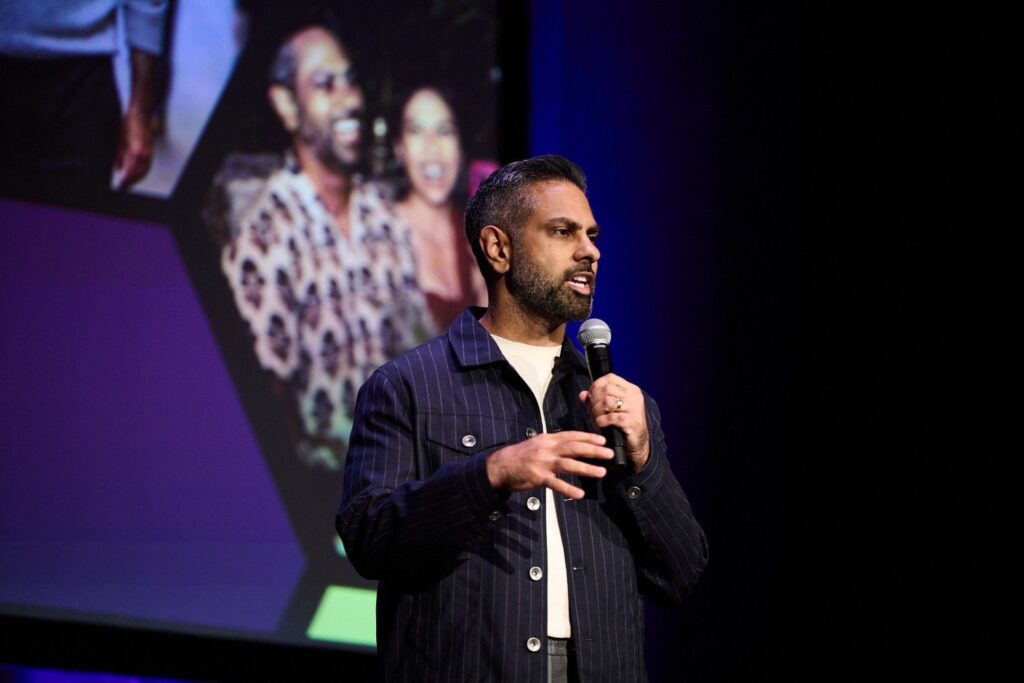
{"x": 684, "y": 115}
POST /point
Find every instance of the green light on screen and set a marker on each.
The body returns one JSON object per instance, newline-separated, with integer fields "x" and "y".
{"x": 346, "y": 615}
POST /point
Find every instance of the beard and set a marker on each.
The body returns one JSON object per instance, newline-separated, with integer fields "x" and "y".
{"x": 341, "y": 159}
{"x": 546, "y": 297}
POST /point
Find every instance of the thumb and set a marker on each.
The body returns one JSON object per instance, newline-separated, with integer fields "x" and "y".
{"x": 584, "y": 396}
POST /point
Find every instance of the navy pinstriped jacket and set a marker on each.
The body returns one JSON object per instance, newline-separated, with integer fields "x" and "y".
{"x": 456, "y": 600}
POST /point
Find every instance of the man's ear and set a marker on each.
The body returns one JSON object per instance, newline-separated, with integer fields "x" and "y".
{"x": 283, "y": 101}
{"x": 497, "y": 248}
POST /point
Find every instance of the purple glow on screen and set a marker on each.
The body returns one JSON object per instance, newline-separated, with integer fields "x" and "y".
{"x": 25, "y": 674}
{"x": 131, "y": 485}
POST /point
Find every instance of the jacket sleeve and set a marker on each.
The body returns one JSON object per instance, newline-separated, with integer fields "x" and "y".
{"x": 669, "y": 546}
{"x": 391, "y": 521}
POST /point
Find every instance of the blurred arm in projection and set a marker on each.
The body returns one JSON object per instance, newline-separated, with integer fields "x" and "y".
{"x": 135, "y": 145}
{"x": 144, "y": 28}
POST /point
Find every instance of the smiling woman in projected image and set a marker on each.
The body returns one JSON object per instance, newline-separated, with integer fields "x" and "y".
{"x": 431, "y": 195}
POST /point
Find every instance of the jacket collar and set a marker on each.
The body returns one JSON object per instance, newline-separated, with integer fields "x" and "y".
{"x": 473, "y": 346}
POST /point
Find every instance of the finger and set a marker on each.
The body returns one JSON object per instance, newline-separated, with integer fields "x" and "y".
{"x": 603, "y": 382}
{"x": 126, "y": 178}
{"x": 584, "y": 395}
{"x": 584, "y": 450}
{"x": 564, "y": 488}
{"x": 607, "y": 395}
{"x": 611, "y": 404}
{"x": 135, "y": 170}
{"x": 605, "y": 379}
{"x": 613, "y": 385}
{"x": 584, "y": 437}
{"x": 617, "y": 419}
{"x": 582, "y": 469}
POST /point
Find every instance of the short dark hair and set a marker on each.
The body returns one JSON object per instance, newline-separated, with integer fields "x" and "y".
{"x": 504, "y": 199}
{"x": 285, "y": 66}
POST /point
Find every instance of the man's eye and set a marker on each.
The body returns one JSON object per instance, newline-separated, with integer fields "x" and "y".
{"x": 330, "y": 81}
{"x": 593, "y": 237}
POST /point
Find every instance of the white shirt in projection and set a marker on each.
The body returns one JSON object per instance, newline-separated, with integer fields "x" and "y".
{"x": 535, "y": 364}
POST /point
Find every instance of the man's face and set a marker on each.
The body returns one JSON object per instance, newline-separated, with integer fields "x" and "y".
{"x": 329, "y": 101}
{"x": 554, "y": 256}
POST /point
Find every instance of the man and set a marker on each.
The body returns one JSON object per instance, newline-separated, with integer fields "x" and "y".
{"x": 475, "y": 490}
{"x": 61, "y": 120}
{"x": 320, "y": 269}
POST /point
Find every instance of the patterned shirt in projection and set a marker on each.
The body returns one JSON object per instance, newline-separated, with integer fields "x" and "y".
{"x": 325, "y": 309}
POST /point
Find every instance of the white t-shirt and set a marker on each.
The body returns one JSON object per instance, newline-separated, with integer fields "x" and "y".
{"x": 535, "y": 365}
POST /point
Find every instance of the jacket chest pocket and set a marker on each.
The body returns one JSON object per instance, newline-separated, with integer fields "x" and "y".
{"x": 450, "y": 437}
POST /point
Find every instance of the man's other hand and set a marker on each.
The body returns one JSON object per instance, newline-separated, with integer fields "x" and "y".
{"x": 538, "y": 462}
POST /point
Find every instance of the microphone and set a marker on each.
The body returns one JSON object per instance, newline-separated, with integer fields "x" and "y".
{"x": 595, "y": 336}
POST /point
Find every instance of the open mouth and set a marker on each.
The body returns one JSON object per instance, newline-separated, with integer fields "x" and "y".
{"x": 346, "y": 130}
{"x": 432, "y": 171}
{"x": 582, "y": 283}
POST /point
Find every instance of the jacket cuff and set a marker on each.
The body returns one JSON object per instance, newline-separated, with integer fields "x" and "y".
{"x": 638, "y": 485}
{"x": 484, "y": 499}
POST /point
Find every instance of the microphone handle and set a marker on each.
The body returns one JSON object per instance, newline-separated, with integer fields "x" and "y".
{"x": 617, "y": 442}
{"x": 599, "y": 360}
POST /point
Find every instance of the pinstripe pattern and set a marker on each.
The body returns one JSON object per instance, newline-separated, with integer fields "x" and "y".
{"x": 456, "y": 602}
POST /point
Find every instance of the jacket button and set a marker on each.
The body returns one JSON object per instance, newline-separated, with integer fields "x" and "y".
{"x": 533, "y": 644}
{"x": 536, "y": 573}
{"x": 469, "y": 441}
{"x": 530, "y": 432}
{"x": 494, "y": 516}
{"x": 633, "y": 492}
{"x": 533, "y": 503}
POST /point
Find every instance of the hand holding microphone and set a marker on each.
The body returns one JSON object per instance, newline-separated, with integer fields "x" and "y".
{"x": 616, "y": 406}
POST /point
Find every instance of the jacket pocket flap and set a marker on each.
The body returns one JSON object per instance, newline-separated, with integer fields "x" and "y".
{"x": 467, "y": 434}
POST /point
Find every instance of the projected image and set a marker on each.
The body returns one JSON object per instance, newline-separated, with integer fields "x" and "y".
{"x": 321, "y": 269}
{"x": 110, "y": 98}
{"x": 433, "y": 184}
{"x": 204, "y": 38}
{"x": 289, "y": 220}
{"x": 336, "y": 214}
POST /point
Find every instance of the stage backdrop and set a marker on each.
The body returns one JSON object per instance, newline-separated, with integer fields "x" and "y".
{"x": 181, "y": 357}
{"x": 139, "y": 420}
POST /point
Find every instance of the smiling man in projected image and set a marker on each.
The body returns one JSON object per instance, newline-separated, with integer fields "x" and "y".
{"x": 476, "y": 490}
{"x": 320, "y": 268}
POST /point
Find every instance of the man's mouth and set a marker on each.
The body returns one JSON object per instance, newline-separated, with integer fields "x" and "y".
{"x": 346, "y": 130}
{"x": 582, "y": 283}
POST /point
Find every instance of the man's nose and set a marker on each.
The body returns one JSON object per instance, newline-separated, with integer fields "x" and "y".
{"x": 588, "y": 249}
{"x": 350, "y": 96}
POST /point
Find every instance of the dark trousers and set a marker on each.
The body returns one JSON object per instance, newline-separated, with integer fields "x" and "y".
{"x": 59, "y": 125}
{"x": 561, "y": 661}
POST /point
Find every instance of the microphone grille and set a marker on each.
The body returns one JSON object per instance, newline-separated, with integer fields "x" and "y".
{"x": 594, "y": 331}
